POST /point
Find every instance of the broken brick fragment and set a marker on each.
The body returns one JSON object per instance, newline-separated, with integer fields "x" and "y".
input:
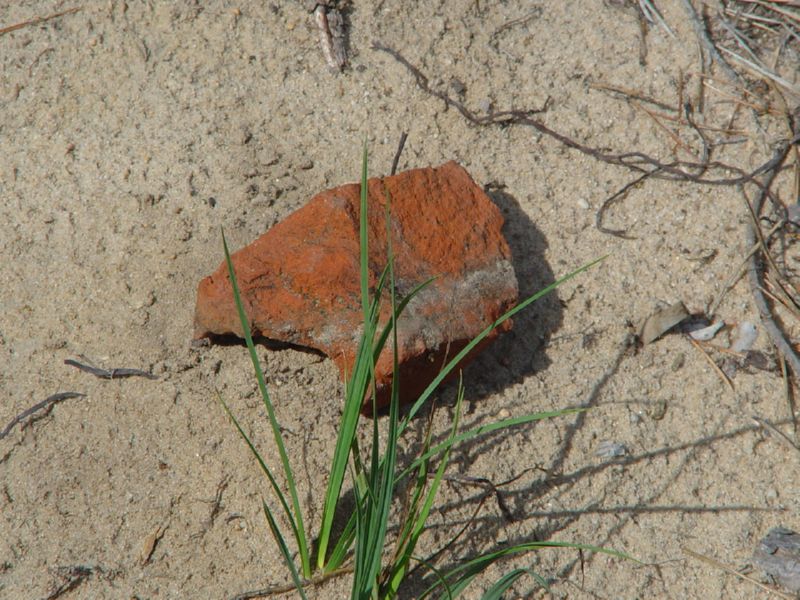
{"x": 300, "y": 280}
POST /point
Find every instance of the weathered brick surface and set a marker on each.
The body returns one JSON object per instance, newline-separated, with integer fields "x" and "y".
{"x": 300, "y": 280}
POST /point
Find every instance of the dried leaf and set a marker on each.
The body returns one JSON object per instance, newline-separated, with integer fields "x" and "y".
{"x": 662, "y": 321}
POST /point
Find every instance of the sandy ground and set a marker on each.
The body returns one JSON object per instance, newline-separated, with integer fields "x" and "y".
{"x": 130, "y": 133}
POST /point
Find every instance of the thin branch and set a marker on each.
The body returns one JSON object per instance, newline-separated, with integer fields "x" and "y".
{"x": 400, "y": 146}
{"x": 620, "y": 194}
{"x": 782, "y": 436}
{"x": 715, "y": 563}
{"x": 702, "y": 34}
{"x": 741, "y": 270}
{"x": 47, "y": 403}
{"x": 38, "y": 20}
{"x": 758, "y": 69}
{"x": 110, "y": 373}
{"x": 754, "y": 277}
{"x": 714, "y": 365}
{"x": 283, "y": 589}
{"x": 629, "y": 94}
{"x": 73, "y": 577}
{"x": 637, "y": 161}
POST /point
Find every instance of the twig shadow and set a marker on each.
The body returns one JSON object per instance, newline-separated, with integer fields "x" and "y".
{"x": 526, "y": 500}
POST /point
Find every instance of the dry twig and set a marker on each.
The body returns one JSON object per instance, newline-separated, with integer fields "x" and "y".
{"x": 714, "y": 365}
{"x": 618, "y": 195}
{"x": 630, "y": 94}
{"x": 290, "y": 587}
{"x": 752, "y": 236}
{"x": 705, "y": 39}
{"x": 118, "y": 373}
{"x": 677, "y": 170}
{"x": 715, "y": 563}
{"x": 38, "y": 20}
{"x": 400, "y": 145}
{"x": 781, "y": 436}
{"x": 47, "y": 404}
{"x": 330, "y": 23}
{"x": 72, "y": 578}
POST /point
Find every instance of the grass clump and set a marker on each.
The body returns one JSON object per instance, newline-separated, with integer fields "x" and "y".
{"x": 362, "y": 546}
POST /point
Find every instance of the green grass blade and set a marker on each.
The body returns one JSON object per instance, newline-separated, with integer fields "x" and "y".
{"x": 360, "y": 379}
{"x": 460, "y": 577}
{"x": 502, "y": 585}
{"x": 356, "y": 388}
{"x": 422, "y": 517}
{"x": 273, "y": 526}
{"x": 383, "y": 465}
{"x": 363, "y": 236}
{"x": 297, "y": 518}
{"x": 276, "y": 488}
{"x": 359, "y": 551}
{"x": 342, "y": 547}
{"x": 539, "y": 580}
{"x": 412, "y": 508}
{"x": 344, "y": 442}
{"x": 441, "y": 581}
{"x": 488, "y": 428}
{"x": 368, "y": 551}
{"x": 475, "y": 341}
{"x": 400, "y": 566}
{"x": 408, "y": 520}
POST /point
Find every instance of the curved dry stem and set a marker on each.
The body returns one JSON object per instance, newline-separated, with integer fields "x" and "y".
{"x": 754, "y": 277}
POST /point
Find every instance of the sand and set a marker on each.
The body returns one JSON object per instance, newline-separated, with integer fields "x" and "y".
{"x": 131, "y": 133}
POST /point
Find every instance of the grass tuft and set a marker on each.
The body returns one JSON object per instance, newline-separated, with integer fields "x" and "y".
{"x": 363, "y": 546}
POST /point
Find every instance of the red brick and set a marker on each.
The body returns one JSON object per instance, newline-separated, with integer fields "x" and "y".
{"x": 300, "y": 280}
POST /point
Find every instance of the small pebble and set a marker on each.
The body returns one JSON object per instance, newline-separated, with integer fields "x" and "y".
{"x": 778, "y": 555}
{"x": 706, "y": 333}
{"x": 793, "y": 213}
{"x": 658, "y": 410}
{"x": 583, "y": 203}
{"x": 458, "y": 86}
{"x": 746, "y": 335}
{"x": 609, "y": 449}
